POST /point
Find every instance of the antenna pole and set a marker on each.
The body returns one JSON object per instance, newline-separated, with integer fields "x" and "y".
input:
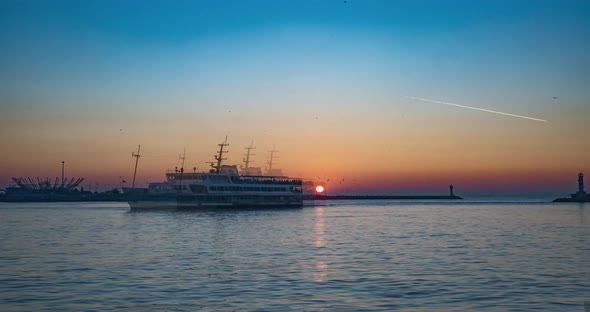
{"x": 136, "y": 161}
{"x": 62, "y": 171}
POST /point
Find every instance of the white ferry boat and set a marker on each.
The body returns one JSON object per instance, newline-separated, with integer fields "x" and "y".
{"x": 222, "y": 186}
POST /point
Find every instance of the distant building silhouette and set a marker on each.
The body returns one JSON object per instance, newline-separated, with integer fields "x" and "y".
{"x": 580, "y": 195}
{"x": 451, "y": 187}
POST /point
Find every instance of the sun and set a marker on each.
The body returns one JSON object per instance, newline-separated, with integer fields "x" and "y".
{"x": 319, "y": 189}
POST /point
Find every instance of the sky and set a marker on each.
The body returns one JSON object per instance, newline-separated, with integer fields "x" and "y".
{"x": 326, "y": 83}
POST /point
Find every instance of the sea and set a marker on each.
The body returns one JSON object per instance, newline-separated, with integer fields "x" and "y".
{"x": 381, "y": 255}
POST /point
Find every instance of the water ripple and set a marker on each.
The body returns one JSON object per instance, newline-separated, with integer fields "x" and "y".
{"x": 353, "y": 255}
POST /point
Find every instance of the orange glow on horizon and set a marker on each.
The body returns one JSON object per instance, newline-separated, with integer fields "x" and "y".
{"x": 367, "y": 156}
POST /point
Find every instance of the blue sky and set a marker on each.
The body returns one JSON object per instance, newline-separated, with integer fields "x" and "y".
{"x": 486, "y": 45}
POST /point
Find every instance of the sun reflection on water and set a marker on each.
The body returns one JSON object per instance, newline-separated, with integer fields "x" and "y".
{"x": 320, "y": 272}
{"x": 320, "y": 239}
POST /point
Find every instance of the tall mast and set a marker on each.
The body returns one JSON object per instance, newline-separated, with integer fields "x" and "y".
{"x": 247, "y": 160}
{"x": 133, "y": 154}
{"x": 62, "y": 172}
{"x": 182, "y": 157}
{"x": 219, "y": 157}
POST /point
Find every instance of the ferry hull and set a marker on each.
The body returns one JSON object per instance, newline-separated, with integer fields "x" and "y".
{"x": 173, "y": 206}
{"x": 152, "y": 205}
{"x": 183, "y": 202}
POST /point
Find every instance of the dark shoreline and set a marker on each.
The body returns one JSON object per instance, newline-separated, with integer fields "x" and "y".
{"x": 369, "y": 197}
{"x": 572, "y": 200}
{"x": 123, "y": 198}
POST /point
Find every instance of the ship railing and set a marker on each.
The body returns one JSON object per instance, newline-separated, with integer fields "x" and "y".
{"x": 266, "y": 180}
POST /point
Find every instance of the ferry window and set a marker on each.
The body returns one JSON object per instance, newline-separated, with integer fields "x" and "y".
{"x": 198, "y": 189}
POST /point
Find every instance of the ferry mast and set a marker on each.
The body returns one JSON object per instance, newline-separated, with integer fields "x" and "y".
{"x": 271, "y": 159}
{"x": 271, "y": 162}
{"x": 182, "y": 157}
{"x": 219, "y": 157}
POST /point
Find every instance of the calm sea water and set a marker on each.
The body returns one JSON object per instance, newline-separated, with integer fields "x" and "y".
{"x": 340, "y": 255}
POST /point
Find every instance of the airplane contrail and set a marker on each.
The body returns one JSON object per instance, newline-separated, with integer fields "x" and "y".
{"x": 476, "y": 108}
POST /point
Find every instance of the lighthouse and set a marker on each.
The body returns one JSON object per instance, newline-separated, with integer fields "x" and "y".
{"x": 581, "y": 194}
